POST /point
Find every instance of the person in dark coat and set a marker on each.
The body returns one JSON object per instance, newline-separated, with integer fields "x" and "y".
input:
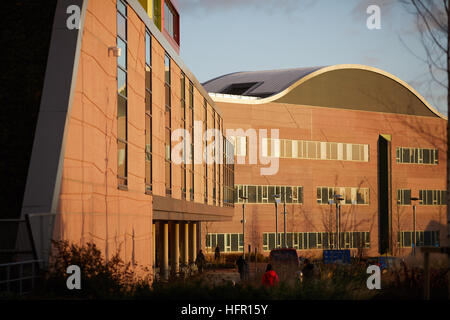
{"x": 308, "y": 270}
{"x": 241, "y": 264}
{"x": 217, "y": 254}
{"x": 200, "y": 261}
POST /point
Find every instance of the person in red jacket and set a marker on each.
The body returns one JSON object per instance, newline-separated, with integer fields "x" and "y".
{"x": 270, "y": 278}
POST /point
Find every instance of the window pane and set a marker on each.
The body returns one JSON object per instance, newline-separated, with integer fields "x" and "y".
{"x": 167, "y": 144}
{"x": 252, "y": 194}
{"x": 426, "y": 156}
{"x": 312, "y": 150}
{"x": 122, "y": 7}
{"x": 122, "y": 59}
{"x": 148, "y": 136}
{"x": 167, "y": 93}
{"x": 148, "y": 49}
{"x": 334, "y": 150}
{"x": 168, "y": 175}
{"x": 121, "y": 82}
{"x": 121, "y": 117}
{"x": 122, "y": 159}
{"x": 148, "y": 78}
{"x": 359, "y": 196}
{"x": 234, "y": 242}
{"x": 289, "y": 194}
{"x": 167, "y": 69}
{"x": 121, "y": 27}
{"x": 312, "y": 240}
{"x": 271, "y": 192}
{"x": 355, "y": 152}
{"x": 148, "y": 169}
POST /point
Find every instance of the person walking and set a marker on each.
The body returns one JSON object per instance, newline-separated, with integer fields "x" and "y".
{"x": 270, "y": 277}
{"x": 241, "y": 264}
{"x": 200, "y": 261}
{"x": 217, "y": 254}
{"x": 308, "y": 270}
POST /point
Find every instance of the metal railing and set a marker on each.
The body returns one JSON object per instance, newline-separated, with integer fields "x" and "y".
{"x": 19, "y": 277}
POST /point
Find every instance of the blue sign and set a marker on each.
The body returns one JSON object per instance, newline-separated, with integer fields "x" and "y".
{"x": 336, "y": 256}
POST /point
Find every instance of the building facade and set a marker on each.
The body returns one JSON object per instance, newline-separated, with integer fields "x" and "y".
{"x": 350, "y": 131}
{"x": 102, "y": 168}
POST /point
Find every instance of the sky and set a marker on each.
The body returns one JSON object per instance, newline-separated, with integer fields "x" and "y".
{"x": 224, "y": 36}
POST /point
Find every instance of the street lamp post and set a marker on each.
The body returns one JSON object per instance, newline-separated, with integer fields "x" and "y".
{"x": 337, "y": 198}
{"x": 243, "y": 225}
{"x": 277, "y": 200}
{"x": 414, "y": 225}
{"x": 284, "y": 209}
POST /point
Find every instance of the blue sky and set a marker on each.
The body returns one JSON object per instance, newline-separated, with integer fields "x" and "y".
{"x": 224, "y": 36}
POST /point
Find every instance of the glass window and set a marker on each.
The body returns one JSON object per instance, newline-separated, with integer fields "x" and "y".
{"x": 121, "y": 27}
{"x": 122, "y": 82}
{"x": 122, "y": 8}
{"x": 121, "y": 117}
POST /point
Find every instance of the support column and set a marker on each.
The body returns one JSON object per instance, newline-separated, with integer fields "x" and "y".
{"x": 176, "y": 249}
{"x": 194, "y": 241}
{"x": 165, "y": 253}
{"x": 154, "y": 246}
{"x": 186, "y": 244}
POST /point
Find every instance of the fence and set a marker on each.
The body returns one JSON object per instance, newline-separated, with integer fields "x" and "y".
{"x": 19, "y": 277}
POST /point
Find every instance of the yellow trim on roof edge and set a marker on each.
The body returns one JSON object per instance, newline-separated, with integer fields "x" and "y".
{"x": 327, "y": 69}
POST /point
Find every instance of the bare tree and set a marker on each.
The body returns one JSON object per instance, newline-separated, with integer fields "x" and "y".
{"x": 432, "y": 22}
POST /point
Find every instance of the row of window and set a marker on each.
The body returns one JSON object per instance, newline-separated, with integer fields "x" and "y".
{"x": 233, "y": 242}
{"x": 350, "y": 195}
{"x": 265, "y": 194}
{"x": 426, "y": 197}
{"x": 316, "y": 150}
{"x": 317, "y": 240}
{"x": 417, "y": 155}
{"x": 423, "y": 239}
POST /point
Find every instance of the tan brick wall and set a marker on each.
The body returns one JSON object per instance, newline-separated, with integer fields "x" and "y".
{"x": 337, "y": 125}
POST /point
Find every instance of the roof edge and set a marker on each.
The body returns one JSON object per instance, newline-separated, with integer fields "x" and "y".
{"x": 328, "y": 69}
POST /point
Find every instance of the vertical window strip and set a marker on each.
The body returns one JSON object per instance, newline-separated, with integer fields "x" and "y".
{"x": 122, "y": 96}
{"x": 168, "y": 125}
{"x": 183, "y": 120}
{"x": 148, "y": 112}
{"x": 191, "y": 153}
{"x": 205, "y": 160}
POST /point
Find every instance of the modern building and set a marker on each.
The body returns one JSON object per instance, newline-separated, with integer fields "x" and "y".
{"x": 350, "y": 131}
{"x": 103, "y": 109}
{"x": 101, "y": 168}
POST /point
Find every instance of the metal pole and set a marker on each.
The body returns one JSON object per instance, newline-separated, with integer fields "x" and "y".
{"x": 414, "y": 229}
{"x": 339, "y": 226}
{"x": 276, "y": 225}
{"x": 285, "y": 243}
{"x": 243, "y": 229}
